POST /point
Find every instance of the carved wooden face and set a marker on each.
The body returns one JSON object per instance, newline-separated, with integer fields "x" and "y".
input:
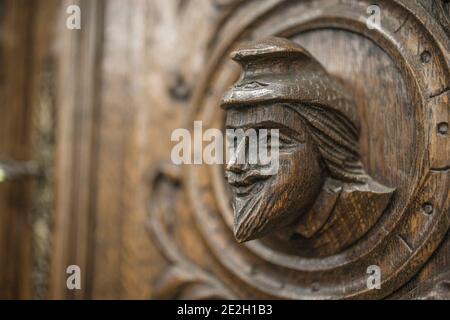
{"x": 263, "y": 203}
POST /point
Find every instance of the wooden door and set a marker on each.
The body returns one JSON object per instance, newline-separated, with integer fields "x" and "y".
{"x": 360, "y": 93}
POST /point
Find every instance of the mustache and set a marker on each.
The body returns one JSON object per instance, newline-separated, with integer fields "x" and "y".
{"x": 245, "y": 179}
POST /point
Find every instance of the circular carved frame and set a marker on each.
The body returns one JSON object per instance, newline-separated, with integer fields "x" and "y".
{"x": 407, "y": 235}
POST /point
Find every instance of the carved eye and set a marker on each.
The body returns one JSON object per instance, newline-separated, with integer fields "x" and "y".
{"x": 251, "y": 85}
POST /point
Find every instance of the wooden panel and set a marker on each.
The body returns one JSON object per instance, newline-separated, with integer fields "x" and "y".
{"x": 126, "y": 80}
{"x": 140, "y": 69}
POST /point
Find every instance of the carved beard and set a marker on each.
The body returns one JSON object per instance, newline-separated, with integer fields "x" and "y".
{"x": 256, "y": 214}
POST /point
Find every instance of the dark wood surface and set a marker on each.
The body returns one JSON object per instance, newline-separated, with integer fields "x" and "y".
{"x": 24, "y": 42}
